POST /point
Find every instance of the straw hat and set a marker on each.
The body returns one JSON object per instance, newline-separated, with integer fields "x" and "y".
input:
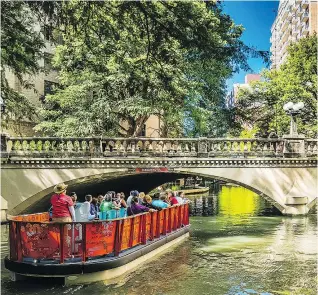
{"x": 59, "y": 188}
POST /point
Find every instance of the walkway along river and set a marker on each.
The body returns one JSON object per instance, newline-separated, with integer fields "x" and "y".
{"x": 238, "y": 245}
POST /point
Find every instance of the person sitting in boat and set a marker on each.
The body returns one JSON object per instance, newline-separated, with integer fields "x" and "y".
{"x": 122, "y": 201}
{"x": 106, "y": 204}
{"x": 73, "y": 196}
{"x": 141, "y": 197}
{"x": 86, "y": 209}
{"x": 100, "y": 200}
{"x": 63, "y": 206}
{"x": 94, "y": 207}
{"x": 173, "y": 200}
{"x": 161, "y": 202}
{"x": 132, "y": 195}
{"x": 116, "y": 201}
{"x": 148, "y": 203}
{"x": 136, "y": 208}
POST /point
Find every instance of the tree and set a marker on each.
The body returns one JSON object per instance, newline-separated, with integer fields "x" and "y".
{"x": 262, "y": 105}
{"x": 124, "y": 61}
{"x": 21, "y": 48}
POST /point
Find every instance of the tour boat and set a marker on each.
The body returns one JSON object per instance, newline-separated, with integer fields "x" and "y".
{"x": 81, "y": 252}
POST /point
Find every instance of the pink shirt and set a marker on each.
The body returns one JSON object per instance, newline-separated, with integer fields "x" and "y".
{"x": 60, "y": 205}
{"x": 173, "y": 201}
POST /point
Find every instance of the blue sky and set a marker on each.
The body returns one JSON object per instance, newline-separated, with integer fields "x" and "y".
{"x": 257, "y": 18}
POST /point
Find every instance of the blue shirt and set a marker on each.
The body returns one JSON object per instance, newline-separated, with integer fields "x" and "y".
{"x": 160, "y": 204}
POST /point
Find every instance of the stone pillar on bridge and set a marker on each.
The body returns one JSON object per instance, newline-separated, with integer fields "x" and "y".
{"x": 294, "y": 146}
{"x": 4, "y": 140}
{"x": 203, "y": 147}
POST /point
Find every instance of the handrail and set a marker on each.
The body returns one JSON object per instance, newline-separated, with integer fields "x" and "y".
{"x": 43, "y": 241}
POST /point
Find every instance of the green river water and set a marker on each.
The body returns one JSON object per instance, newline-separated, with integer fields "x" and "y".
{"x": 237, "y": 245}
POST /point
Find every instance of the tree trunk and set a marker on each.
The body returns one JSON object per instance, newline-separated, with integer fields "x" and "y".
{"x": 139, "y": 125}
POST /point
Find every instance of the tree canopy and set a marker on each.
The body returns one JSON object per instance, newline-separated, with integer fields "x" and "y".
{"x": 261, "y": 106}
{"x": 21, "y": 48}
{"x": 124, "y": 61}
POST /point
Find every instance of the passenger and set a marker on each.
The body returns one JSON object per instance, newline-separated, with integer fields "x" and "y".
{"x": 173, "y": 200}
{"x": 116, "y": 201}
{"x": 161, "y": 202}
{"x": 86, "y": 210}
{"x": 136, "y": 208}
{"x": 100, "y": 200}
{"x": 107, "y": 204}
{"x": 180, "y": 197}
{"x": 63, "y": 207}
{"x": 132, "y": 195}
{"x": 183, "y": 198}
{"x": 74, "y": 198}
{"x": 148, "y": 203}
{"x": 94, "y": 207}
{"x": 123, "y": 203}
{"x": 141, "y": 197}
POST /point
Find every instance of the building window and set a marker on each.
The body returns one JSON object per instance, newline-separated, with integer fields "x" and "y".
{"x": 48, "y": 61}
{"x": 49, "y": 88}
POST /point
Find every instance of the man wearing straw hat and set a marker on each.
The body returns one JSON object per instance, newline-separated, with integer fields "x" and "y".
{"x": 63, "y": 207}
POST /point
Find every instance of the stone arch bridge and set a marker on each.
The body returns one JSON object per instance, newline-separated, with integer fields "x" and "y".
{"x": 281, "y": 170}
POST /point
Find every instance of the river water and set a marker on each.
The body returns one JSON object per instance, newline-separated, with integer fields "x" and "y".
{"x": 238, "y": 245}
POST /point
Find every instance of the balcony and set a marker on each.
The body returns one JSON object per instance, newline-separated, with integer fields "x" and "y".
{"x": 299, "y": 11}
{"x": 304, "y": 3}
{"x": 305, "y": 16}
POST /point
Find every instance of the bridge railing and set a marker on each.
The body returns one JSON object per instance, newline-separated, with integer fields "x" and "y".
{"x": 162, "y": 147}
{"x": 36, "y": 240}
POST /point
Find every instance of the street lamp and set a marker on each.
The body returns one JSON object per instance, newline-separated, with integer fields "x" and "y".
{"x": 293, "y": 110}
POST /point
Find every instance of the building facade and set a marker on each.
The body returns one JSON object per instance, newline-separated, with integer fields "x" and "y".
{"x": 232, "y": 95}
{"x": 295, "y": 19}
{"x": 44, "y": 83}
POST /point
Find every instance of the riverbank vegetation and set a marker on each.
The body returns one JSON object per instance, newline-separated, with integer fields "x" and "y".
{"x": 261, "y": 106}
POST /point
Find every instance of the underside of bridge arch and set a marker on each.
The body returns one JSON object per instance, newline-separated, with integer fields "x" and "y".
{"x": 122, "y": 182}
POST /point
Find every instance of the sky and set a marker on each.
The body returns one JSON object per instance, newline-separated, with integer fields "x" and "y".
{"x": 257, "y": 18}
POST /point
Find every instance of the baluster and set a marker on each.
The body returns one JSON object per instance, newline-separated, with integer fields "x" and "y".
{"x": 25, "y": 146}
{"x": 17, "y": 146}
{"x": 69, "y": 146}
{"x": 76, "y": 146}
{"x": 150, "y": 147}
{"x": 193, "y": 149}
{"x": 47, "y": 146}
{"x": 128, "y": 147}
{"x": 9, "y": 146}
{"x": 245, "y": 146}
{"x": 133, "y": 147}
{"x": 179, "y": 148}
{"x": 121, "y": 147}
{"x": 84, "y": 146}
{"x": 91, "y": 146}
{"x": 186, "y": 148}
{"x": 314, "y": 150}
{"x": 164, "y": 150}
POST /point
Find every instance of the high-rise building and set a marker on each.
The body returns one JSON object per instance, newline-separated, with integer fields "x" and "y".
{"x": 232, "y": 95}
{"x": 295, "y": 19}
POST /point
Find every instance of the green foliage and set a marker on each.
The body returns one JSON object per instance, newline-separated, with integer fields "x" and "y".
{"x": 21, "y": 48}
{"x": 124, "y": 61}
{"x": 296, "y": 80}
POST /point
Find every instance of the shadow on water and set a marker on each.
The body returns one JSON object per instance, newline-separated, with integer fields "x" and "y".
{"x": 239, "y": 244}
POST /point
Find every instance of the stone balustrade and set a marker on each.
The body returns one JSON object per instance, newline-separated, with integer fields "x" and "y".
{"x": 49, "y": 147}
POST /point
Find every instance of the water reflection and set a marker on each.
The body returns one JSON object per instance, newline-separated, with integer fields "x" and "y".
{"x": 238, "y": 245}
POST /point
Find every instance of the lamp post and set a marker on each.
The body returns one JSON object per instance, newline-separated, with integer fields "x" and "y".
{"x": 293, "y": 110}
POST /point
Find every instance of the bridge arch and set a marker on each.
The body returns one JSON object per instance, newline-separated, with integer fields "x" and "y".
{"x": 116, "y": 181}
{"x": 291, "y": 190}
